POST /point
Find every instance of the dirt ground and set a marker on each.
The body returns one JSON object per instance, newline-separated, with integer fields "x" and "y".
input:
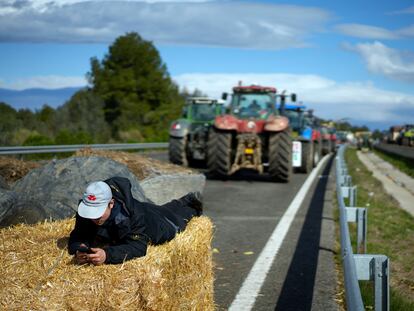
{"x": 12, "y": 169}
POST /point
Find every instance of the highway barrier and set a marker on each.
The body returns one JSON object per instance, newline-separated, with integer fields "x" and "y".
{"x": 72, "y": 148}
{"x": 360, "y": 266}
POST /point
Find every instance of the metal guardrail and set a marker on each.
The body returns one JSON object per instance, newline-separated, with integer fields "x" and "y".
{"x": 358, "y": 266}
{"x": 73, "y": 148}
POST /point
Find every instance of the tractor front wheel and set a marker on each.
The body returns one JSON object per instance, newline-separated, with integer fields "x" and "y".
{"x": 177, "y": 150}
{"x": 219, "y": 152}
{"x": 280, "y": 156}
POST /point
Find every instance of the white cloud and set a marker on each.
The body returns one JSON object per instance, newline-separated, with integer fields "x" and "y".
{"x": 44, "y": 82}
{"x": 359, "y": 101}
{"x": 213, "y": 23}
{"x": 407, "y": 31}
{"x": 375, "y": 33}
{"x": 366, "y": 31}
{"x": 409, "y": 10}
{"x": 15, "y": 6}
{"x": 389, "y": 62}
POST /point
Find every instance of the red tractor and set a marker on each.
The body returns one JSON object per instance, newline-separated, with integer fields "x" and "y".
{"x": 328, "y": 135}
{"x": 251, "y": 135}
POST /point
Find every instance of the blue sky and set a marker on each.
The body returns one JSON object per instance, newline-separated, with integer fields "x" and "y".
{"x": 352, "y": 59}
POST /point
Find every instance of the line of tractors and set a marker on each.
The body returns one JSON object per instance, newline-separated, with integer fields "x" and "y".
{"x": 259, "y": 130}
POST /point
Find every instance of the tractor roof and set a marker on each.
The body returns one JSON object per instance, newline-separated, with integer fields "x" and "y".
{"x": 201, "y": 100}
{"x": 295, "y": 107}
{"x": 254, "y": 89}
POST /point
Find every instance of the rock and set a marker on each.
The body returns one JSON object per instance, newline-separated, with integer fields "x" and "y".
{"x": 54, "y": 190}
{"x": 164, "y": 188}
{"x": 3, "y": 183}
{"x": 8, "y": 200}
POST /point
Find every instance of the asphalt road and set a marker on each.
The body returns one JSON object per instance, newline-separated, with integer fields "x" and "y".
{"x": 245, "y": 210}
{"x": 401, "y": 151}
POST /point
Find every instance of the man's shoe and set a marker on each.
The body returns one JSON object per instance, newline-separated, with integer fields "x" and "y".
{"x": 195, "y": 201}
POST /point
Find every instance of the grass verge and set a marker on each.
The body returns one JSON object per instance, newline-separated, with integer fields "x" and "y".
{"x": 404, "y": 165}
{"x": 390, "y": 232}
{"x": 340, "y": 288}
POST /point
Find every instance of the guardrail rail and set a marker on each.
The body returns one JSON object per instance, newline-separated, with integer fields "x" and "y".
{"x": 359, "y": 266}
{"x": 72, "y": 148}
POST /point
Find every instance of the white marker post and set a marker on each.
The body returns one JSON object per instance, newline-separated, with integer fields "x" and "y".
{"x": 297, "y": 154}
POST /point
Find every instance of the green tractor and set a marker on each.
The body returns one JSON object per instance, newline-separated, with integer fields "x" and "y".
{"x": 364, "y": 141}
{"x": 189, "y": 134}
{"x": 407, "y": 135}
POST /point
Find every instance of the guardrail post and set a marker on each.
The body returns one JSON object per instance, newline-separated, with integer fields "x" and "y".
{"x": 362, "y": 230}
{"x": 375, "y": 268}
{"x": 345, "y": 180}
{"x": 353, "y": 196}
{"x": 381, "y": 283}
{"x": 360, "y": 216}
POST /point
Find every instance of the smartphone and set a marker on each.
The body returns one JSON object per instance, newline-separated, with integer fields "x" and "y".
{"x": 85, "y": 249}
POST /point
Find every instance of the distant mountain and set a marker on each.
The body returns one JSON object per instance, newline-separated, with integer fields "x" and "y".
{"x": 34, "y": 99}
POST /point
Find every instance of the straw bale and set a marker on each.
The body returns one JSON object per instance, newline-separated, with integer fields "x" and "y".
{"x": 37, "y": 273}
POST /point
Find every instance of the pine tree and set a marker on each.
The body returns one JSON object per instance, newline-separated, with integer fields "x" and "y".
{"x": 136, "y": 88}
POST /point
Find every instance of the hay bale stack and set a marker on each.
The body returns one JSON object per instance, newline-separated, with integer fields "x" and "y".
{"x": 37, "y": 273}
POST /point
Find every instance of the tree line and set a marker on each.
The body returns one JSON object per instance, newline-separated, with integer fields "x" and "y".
{"x": 131, "y": 98}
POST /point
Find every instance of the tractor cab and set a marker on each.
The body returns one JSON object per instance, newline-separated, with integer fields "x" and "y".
{"x": 202, "y": 109}
{"x": 296, "y": 116}
{"x": 252, "y": 102}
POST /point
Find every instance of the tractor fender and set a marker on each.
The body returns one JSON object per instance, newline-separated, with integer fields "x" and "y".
{"x": 307, "y": 133}
{"x": 316, "y": 135}
{"x": 180, "y": 128}
{"x": 276, "y": 124}
{"x": 226, "y": 122}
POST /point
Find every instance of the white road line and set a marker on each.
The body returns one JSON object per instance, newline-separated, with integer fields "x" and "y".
{"x": 250, "y": 289}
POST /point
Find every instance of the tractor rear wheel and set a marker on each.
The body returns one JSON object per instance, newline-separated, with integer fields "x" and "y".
{"x": 316, "y": 154}
{"x": 307, "y": 157}
{"x": 219, "y": 152}
{"x": 333, "y": 146}
{"x": 280, "y": 156}
{"x": 177, "y": 150}
{"x": 326, "y": 146}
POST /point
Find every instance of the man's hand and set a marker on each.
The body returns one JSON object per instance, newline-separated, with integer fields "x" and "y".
{"x": 81, "y": 257}
{"x": 98, "y": 257}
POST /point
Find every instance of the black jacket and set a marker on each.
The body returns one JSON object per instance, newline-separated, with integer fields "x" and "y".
{"x": 134, "y": 226}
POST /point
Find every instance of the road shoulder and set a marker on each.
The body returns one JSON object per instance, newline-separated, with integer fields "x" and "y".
{"x": 326, "y": 276}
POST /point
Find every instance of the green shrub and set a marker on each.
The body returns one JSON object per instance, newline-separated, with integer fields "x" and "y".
{"x": 38, "y": 140}
{"x": 65, "y": 137}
